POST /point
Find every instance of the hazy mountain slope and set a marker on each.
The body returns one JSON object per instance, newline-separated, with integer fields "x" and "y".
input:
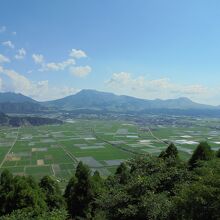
{"x": 18, "y": 103}
{"x": 96, "y": 100}
{"x": 92, "y": 99}
{"x": 101, "y": 100}
{"x": 15, "y": 98}
{"x": 180, "y": 103}
{"x": 21, "y": 108}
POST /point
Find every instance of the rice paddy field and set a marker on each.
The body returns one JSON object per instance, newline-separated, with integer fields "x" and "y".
{"x": 56, "y": 149}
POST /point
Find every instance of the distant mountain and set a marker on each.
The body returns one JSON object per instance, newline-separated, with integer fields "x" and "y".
{"x": 17, "y": 103}
{"x": 15, "y": 121}
{"x": 22, "y": 108}
{"x": 15, "y": 98}
{"x": 92, "y": 99}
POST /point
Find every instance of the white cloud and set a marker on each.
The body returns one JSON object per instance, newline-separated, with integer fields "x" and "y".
{"x": 125, "y": 83}
{"x": 125, "y": 80}
{"x": 40, "y": 90}
{"x": 4, "y": 59}
{"x": 194, "y": 89}
{"x": 68, "y": 63}
{"x": 2, "y": 29}
{"x": 20, "y": 83}
{"x": 38, "y": 58}
{"x": 80, "y": 71}
{"x": 77, "y": 54}
{"x": 51, "y": 92}
{"x": 57, "y": 66}
{"x": 14, "y": 33}
{"x": 21, "y": 54}
{"x": 52, "y": 66}
{"x": 8, "y": 44}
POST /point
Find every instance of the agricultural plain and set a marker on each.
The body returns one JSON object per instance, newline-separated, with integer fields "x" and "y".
{"x": 101, "y": 144}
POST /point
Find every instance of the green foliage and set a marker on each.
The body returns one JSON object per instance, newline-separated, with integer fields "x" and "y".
{"x": 147, "y": 194}
{"x": 170, "y": 155}
{"x": 27, "y": 214}
{"x": 83, "y": 191}
{"x": 6, "y": 192}
{"x": 202, "y": 152}
{"x": 98, "y": 188}
{"x": 80, "y": 194}
{"x": 19, "y": 192}
{"x": 145, "y": 187}
{"x": 200, "y": 199}
{"x": 171, "y": 151}
{"x": 54, "y": 198}
{"x": 122, "y": 173}
{"x": 97, "y": 184}
{"x": 218, "y": 153}
{"x": 69, "y": 194}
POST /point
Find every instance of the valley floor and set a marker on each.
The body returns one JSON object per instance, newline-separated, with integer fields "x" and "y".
{"x": 101, "y": 144}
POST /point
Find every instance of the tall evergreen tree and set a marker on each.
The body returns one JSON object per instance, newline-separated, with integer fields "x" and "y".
{"x": 97, "y": 183}
{"x": 202, "y": 152}
{"x": 20, "y": 192}
{"x": 82, "y": 194}
{"x": 69, "y": 194}
{"x": 52, "y": 192}
{"x": 170, "y": 152}
{"x": 98, "y": 189}
{"x": 6, "y": 192}
{"x": 27, "y": 194}
{"x": 200, "y": 198}
{"x": 122, "y": 173}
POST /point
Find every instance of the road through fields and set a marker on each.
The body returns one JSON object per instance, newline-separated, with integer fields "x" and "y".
{"x": 158, "y": 139}
{"x": 5, "y": 157}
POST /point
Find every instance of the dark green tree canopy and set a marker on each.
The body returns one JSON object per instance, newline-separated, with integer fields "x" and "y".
{"x": 79, "y": 192}
{"x": 20, "y": 192}
{"x": 170, "y": 152}
{"x": 145, "y": 187}
{"x": 54, "y": 198}
{"x": 122, "y": 173}
{"x": 202, "y": 152}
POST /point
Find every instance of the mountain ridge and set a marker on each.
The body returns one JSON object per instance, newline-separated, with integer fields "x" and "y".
{"x": 11, "y": 102}
{"x": 13, "y": 97}
{"x": 94, "y": 99}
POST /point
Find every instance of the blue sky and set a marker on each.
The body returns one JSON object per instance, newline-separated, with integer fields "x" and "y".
{"x": 148, "y": 49}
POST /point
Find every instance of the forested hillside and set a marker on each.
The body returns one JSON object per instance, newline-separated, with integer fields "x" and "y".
{"x": 145, "y": 187}
{"x": 16, "y": 121}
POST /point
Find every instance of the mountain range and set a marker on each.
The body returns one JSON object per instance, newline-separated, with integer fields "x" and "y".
{"x": 94, "y": 100}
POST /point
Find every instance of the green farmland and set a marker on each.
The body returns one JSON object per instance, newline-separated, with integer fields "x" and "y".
{"x": 102, "y": 145}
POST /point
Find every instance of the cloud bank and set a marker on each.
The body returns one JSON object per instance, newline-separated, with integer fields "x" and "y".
{"x": 40, "y": 90}
{"x": 164, "y": 88}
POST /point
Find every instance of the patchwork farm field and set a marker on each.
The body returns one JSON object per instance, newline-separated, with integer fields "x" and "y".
{"x": 56, "y": 149}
